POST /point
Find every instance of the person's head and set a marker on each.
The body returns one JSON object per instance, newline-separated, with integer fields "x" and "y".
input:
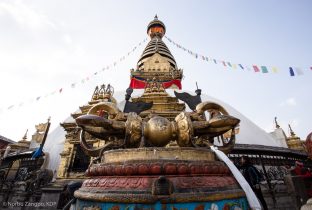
{"x": 244, "y": 160}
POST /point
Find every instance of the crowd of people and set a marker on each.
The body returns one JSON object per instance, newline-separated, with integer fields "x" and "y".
{"x": 254, "y": 177}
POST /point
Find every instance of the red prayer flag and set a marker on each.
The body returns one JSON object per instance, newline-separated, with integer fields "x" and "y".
{"x": 61, "y": 90}
{"x": 256, "y": 68}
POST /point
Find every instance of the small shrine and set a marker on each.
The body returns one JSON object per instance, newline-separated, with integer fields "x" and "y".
{"x": 293, "y": 141}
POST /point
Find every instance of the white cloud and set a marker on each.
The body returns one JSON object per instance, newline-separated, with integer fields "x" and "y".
{"x": 289, "y": 102}
{"x": 24, "y": 15}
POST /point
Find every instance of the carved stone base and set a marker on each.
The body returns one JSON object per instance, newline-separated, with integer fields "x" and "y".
{"x": 166, "y": 177}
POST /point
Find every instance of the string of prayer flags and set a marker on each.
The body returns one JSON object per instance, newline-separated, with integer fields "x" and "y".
{"x": 256, "y": 68}
{"x": 82, "y": 81}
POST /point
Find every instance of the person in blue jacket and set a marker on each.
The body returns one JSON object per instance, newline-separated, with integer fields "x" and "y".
{"x": 253, "y": 177}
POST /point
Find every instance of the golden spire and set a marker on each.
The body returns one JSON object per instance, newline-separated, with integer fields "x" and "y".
{"x": 25, "y": 136}
{"x": 292, "y": 133}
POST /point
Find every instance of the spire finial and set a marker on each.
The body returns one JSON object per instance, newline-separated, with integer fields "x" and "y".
{"x": 25, "y": 136}
{"x": 276, "y": 123}
{"x": 292, "y": 133}
{"x": 156, "y": 17}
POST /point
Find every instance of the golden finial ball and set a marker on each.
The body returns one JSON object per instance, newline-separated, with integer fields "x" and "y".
{"x": 158, "y": 131}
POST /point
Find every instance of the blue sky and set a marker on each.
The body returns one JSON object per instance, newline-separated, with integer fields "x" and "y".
{"x": 47, "y": 45}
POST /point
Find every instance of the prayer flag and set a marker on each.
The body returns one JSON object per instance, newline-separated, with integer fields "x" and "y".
{"x": 299, "y": 71}
{"x": 10, "y": 107}
{"x": 234, "y": 66}
{"x": 60, "y": 90}
{"x": 229, "y": 64}
{"x": 291, "y": 71}
{"x": 224, "y": 63}
{"x": 215, "y": 61}
{"x": 73, "y": 85}
{"x": 256, "y": 68}
{"x": 38, "y": 98}
{"x": 264, "y": 69}
{"x": 274, "y": 69}
{"x": 240, "y": 65}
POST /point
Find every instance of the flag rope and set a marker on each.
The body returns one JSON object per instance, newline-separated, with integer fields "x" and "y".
{"x": 293, "y": 71}
{"x": 82, "y": 81}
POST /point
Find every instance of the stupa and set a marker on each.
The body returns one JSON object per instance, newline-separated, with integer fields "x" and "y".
{"x": 154, "y": 154}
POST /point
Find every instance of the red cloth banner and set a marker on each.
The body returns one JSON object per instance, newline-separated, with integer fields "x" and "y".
{"x": 137, "y": 84}
{"x": 170, "y": 83}
{"x": 140, "y": 84}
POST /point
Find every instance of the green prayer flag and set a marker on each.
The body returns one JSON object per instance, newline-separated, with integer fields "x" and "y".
{"x": 264, "y": 69}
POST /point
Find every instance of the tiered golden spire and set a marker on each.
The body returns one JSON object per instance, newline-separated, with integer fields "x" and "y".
{"x": 293, "y": 141}
{"x": 156, "y": 59}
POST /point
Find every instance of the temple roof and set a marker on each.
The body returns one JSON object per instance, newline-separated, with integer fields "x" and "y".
{"x": 5, "y": 141}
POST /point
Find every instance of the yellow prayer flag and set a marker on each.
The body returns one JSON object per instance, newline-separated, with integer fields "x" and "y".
{"x": 234, "y": 66}
{"x": 274, "y": 69}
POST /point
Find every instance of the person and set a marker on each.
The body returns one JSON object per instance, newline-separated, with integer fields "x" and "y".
{"x": 253, "y": 177}
{"x": 297, "y": 171}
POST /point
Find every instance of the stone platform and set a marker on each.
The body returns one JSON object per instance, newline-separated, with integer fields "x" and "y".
{"x": 160, "y": 178}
